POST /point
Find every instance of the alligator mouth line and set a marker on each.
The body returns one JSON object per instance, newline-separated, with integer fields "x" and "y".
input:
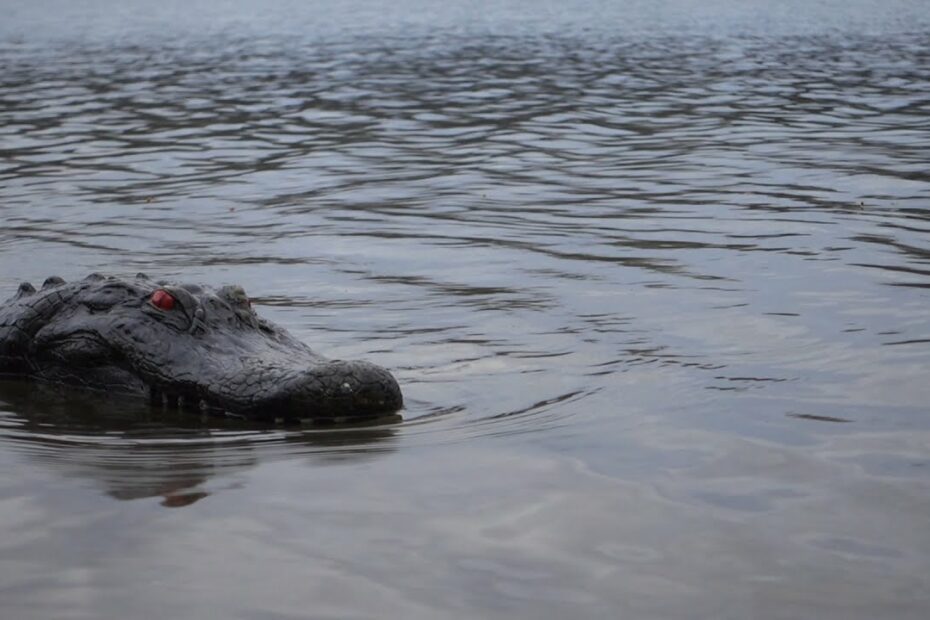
{"x": 163, "y": 399}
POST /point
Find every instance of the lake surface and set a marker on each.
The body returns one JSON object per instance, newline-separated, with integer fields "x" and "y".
{"x": 654, "y": 277}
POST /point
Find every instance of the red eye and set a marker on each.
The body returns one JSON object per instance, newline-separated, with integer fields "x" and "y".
{"x": 163, "y": 299}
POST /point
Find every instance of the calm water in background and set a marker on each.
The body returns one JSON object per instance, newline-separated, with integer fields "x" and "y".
{"x": 654, "y": 278}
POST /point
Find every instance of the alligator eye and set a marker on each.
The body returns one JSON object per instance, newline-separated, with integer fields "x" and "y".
{"x": 163, "y": 299}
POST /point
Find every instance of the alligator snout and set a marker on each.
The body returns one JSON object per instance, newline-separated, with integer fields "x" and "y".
{"x": 340, "y": 389}
{"x": 326, "y": 390}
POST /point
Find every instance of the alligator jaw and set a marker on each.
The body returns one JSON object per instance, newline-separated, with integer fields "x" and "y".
{"x": 326, "y": 392}
{"x": 334, "y": 391}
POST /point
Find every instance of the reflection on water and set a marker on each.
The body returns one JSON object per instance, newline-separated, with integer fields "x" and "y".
{"x": 653, "y": 277}
{"x": 136, "y": 451}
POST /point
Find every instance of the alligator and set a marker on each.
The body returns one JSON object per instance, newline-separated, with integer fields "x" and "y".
{"x": 182, "y": 345}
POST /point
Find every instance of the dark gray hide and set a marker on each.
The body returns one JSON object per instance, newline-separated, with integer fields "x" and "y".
{"x": 210, "y": 351}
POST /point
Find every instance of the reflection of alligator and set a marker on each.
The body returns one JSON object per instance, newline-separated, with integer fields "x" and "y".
{"x": 183, "y": 345}
{"x": 133, "y": 451}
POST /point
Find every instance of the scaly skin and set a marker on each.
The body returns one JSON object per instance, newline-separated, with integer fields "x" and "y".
{"x": 209, "y": 352}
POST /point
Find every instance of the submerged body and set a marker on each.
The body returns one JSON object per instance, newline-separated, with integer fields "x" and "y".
{"x": 185, "y": 345}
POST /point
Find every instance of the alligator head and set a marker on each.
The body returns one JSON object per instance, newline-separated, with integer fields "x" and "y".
{"x": 183, "y": 345}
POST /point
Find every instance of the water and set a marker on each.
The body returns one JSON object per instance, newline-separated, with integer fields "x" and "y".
{"x": 653, "y": 277}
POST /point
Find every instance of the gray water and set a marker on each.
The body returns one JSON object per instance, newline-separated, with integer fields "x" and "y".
{"x": 653, "y": 277}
